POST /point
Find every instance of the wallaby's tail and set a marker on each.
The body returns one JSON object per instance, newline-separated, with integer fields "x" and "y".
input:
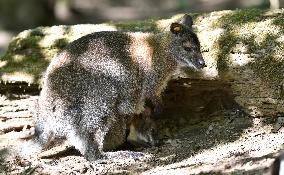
{"x": 30, "y": 147}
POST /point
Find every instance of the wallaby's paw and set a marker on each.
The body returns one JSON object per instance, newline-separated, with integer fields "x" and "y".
{"x": 93, "y": 154}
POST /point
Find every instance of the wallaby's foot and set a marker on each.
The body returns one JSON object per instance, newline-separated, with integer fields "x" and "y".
{"x": 92, "y": 153}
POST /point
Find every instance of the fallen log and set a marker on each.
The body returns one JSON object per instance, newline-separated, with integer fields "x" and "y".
{"x": 243, "y": 50}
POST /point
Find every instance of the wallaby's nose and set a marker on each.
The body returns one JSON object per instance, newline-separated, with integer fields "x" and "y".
{"x": 202, "y": 63}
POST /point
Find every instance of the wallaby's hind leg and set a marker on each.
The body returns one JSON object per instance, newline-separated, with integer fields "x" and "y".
{"x": 86, "y": 143}
{"x": 91, "y": 137}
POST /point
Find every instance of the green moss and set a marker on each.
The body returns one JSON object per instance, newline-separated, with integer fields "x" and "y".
{"x": 239, "y": 17}
{"x": 279, "y": 21}
{"x": 30, "y": 64}
{"x": 37, "y": 32}
{"x": 20, "y": 44}
{"x": 60, "y": 43}
{"x": 141, "y": 26}
{"x": 30, "y": 41}
{"x": 225, "y": 43}
{"x": 269, "y": 69}
{"x": 232, "y": 22}
{"x": 25, "y": 55}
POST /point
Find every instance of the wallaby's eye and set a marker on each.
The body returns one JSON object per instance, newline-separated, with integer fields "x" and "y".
{"x": 187, "y": 45}
{"x": 187, "y": 49}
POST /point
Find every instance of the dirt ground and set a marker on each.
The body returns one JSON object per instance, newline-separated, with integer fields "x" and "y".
{"x": 227, "y": 142}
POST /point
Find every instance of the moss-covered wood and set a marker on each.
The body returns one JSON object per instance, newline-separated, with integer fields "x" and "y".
{"x": 243, "y": 49}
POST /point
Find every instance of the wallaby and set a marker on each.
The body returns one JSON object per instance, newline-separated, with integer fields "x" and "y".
{"x": 95, "y": 86}
{"x": 142, "y": 129}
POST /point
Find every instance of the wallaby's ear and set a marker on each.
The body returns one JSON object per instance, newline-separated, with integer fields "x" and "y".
{"x": 187, "y": 20}
{"x": 176, "y": 28}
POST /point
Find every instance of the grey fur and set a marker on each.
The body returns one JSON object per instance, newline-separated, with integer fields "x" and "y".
{"x": 98, "y": 82}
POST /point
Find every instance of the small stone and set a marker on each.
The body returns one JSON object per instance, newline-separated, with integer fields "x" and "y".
{"x": 84, "y": 170}
{"x": 227, "y": 166}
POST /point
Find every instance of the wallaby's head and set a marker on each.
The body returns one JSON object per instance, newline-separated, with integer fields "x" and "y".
{"x": 143, "y": 131}
{"x": 186, "y": 44}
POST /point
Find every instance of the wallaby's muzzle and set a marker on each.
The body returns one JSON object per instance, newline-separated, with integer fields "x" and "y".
{"x": 198, "y": 61}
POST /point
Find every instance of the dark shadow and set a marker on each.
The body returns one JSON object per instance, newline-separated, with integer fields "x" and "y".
{"x": 70, "y": 151}
{"x": 5, "y": 168}
{"x": 198, "y": 99}
{"x": 19, "y": 88}
{"x": 190, "y": 107}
